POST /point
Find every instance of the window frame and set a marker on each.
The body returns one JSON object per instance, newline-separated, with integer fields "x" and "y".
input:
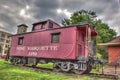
{"x": 43, "y": 25}
{"x": 50, "y": 25}
{"x": 52, "y": 38}
{"x": 19, "y": 40}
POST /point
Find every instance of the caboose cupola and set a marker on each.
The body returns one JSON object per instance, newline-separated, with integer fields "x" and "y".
{"x": 44, "y": 25}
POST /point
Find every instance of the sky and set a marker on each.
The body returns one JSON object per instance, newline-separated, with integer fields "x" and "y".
{"x": 16, "y": 12}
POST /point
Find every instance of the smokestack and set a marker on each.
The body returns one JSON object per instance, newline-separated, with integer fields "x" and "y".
{"x": 22, "y": 28}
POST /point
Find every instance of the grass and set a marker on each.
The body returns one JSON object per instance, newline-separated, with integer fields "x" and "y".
{"x": 49, "y": 65}
{"x": 11, "y": 72}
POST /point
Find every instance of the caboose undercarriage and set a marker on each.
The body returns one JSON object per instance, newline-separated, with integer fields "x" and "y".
{"x": 76, "y": 66}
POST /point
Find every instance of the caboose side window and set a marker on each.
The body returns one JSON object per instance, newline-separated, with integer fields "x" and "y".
{"x": 55, "y": 37}
{"x": 20, "y": 40}
{"x": 50, "y": 25}
{"x": 43, "y": 25}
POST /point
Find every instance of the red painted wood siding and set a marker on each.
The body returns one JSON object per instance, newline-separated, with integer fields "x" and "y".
{"x": 65, "y": 48}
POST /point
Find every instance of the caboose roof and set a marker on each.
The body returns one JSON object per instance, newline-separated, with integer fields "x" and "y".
{"x": 80, "y": 24}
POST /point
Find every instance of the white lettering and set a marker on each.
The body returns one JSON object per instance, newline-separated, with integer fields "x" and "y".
{"x": 20, "y": 48}
{"x": 33, "y": 48}
{"x": 32, "y": 54}
{"x": 38, "y": 48}
{"x": 42, "y": 48}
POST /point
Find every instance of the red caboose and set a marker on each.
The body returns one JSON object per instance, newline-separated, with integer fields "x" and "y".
{"x": 48, "y": 42}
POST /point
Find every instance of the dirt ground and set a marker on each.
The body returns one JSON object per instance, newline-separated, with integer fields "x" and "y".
{"x": 111, "y": 70}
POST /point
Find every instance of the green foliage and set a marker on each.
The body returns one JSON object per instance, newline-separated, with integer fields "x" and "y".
{"x": 99, "y": 55}
{"x": 79, "y": 16}
{"x": 103, "y": 51}
{"x": 105, "y": 33}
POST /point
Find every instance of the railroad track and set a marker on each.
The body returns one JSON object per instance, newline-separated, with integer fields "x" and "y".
{"x": 109, "y": 76}
{"x": 39, "y": 69}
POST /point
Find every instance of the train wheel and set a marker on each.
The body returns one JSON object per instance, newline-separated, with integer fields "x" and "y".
{"x": 62, "y": 66}
{"x": 80, "y": 68}
{"x": 65, "y": 66}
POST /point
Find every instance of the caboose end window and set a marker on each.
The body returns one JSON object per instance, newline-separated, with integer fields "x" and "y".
{"x": 20, "y": 40}
{"x": 55, "y": 37}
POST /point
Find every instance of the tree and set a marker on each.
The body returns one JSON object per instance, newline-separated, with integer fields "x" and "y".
{"x": 105, "y": 33}
{"x": 80, "y": 16}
